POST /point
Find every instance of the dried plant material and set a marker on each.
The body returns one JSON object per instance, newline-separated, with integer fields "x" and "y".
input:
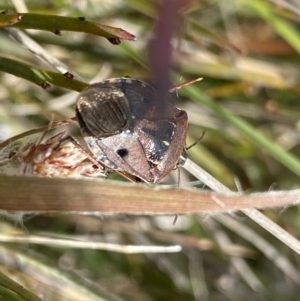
{"x": 70, "y": 242}
{"x": 58, "y": 156}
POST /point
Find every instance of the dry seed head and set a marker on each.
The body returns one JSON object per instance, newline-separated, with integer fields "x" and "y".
{"x": 55, "y": 157}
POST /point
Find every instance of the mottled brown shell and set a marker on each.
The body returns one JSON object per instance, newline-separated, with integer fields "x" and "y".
{"x": 125, "y": 127}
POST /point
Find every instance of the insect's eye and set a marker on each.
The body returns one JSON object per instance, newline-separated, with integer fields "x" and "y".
{"x": 122, "y": 152}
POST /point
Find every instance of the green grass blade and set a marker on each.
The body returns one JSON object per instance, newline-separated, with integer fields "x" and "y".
{"x": 17, "y": 288}
{"x": 283, "y": 27}
{"x": 39, "y": 76}
{"x": 8, "y": 20}
{"x": 255, "y": 136}
{"x": 56, "y": 24}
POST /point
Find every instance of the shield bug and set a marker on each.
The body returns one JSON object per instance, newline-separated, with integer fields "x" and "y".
{"x": 125, "y": 128}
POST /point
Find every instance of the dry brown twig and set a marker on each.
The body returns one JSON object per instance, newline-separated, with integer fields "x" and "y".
{"x": 57, "y": 157}
{"x": 53, "y": 158}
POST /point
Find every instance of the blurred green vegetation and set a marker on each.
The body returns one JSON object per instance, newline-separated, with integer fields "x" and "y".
{"x": 248, "y": 104}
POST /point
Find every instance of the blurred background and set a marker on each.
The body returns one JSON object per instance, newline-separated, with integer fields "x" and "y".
{"x": 247, "y": 53}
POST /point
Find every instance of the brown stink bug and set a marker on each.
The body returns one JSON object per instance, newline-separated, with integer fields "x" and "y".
{"x": 126, "y": 129}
